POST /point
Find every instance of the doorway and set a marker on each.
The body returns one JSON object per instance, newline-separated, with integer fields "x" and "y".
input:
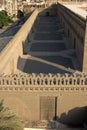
{"x": 48, "y": 108}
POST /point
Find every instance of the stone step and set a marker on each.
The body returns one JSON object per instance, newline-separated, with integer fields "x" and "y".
{"x": 65, "y": 53}
{"x": 61, "y": 30}
{"x": 47, "y": 54}
{"x": 47, "y": 41}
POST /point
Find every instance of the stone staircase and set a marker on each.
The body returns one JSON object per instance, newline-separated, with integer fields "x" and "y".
{"x": 47, "y": 46}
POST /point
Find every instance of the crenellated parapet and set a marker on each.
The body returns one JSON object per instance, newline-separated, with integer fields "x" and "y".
{"x": 43, "y": 81}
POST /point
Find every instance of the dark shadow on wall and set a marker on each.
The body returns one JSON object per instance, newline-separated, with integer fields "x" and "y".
{"x": 75, "y": 117}
{"x": 20, "y": 64}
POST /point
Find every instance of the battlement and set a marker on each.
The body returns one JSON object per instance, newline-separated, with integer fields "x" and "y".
{"x": 43, "y": 79}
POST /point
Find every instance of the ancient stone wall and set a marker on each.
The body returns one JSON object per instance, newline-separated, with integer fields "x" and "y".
{"x": 85, "y": 49}
{"x": 14, "y": 49}
{"x": 75, "y": 31}
{"x": 22, "y": 93}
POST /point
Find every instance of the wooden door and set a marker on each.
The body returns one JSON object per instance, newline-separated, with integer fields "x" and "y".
{"x": 47, "y": 108}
